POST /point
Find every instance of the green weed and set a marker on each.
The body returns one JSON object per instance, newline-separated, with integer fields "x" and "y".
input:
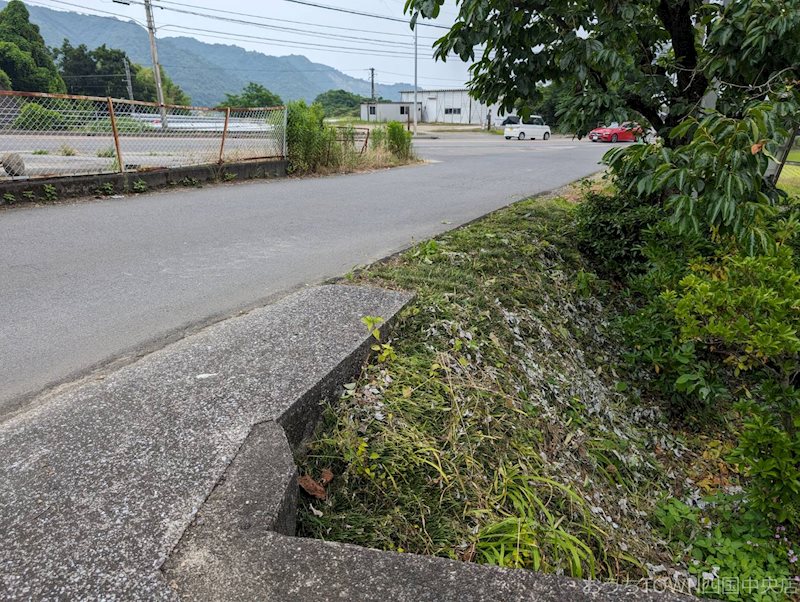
{"x": 50, "y": 192}
{"x": 66, "y": 151}
{"x": 106, "y": 189}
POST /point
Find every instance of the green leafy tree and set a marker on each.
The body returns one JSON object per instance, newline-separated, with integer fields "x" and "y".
{"x": 145, "y": 82}
{"x": 21, "y": 69}
{"x": 101, "y": 72}
{"x": 25, "y": 58}
{"x": 340, "y": 103}
{"x": 78, "y": 68}
{"x": 5, "y": 81}
{"x": 720, "y": 83}
{"x": 253, "y": 95}
{"x": 657, "y": 58}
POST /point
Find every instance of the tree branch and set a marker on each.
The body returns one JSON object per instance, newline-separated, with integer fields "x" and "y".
{"x": 677, "y": 19}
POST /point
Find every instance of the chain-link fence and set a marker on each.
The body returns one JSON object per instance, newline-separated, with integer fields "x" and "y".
{"x": 45, "y": 135}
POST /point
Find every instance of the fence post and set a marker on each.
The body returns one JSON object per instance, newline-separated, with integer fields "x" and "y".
{"x": 116, "y": 134}
{"x": 285, "y": 127}
{"x": 224, "y": 135}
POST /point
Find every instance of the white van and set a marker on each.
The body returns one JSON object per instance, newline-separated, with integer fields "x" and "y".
{"x": 533, "y": 127}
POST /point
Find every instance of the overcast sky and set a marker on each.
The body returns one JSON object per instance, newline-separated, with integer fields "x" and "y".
{"x": 385, "y": 45}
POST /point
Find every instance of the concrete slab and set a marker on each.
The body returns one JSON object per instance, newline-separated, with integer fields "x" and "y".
{"x": 232, "y": 552}
{"x": 291, "y": 569}
{"x": 99, "y": 482}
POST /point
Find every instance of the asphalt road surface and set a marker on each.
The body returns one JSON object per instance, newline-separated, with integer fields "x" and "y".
{"x": 87, "y": 284}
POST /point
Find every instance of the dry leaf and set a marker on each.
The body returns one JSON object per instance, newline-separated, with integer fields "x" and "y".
{"x": 311, "y": 487}
{"x": 756, "y": 148}
{"x": 327, "y": 476}
{"x": 315, "y": 512}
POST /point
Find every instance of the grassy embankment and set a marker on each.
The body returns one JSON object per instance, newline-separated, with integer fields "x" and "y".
{"x": 501, "y": 426}
{"x": 503, "y": 423}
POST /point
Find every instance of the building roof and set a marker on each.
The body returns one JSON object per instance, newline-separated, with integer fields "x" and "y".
{"x": 436, "y": 90}
{"x": 389, "y": 102}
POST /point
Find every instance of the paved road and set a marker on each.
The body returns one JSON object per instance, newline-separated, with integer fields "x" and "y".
{"x": 82, "y": 284}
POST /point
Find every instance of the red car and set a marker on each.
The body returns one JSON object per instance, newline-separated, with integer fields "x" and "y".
{"x": 626, "y": 132}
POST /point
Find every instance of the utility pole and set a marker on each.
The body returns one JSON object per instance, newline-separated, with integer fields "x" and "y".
{"x": 151, "y": 29}
{"x": 415, "y": 79}
{"x": 128, "y": 79}
{"x": 372, "y": 80}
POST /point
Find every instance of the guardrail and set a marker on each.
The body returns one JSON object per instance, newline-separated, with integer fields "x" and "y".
{"x": 47, "y": 135}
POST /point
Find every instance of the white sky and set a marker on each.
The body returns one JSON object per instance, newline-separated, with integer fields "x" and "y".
{"x": 352, "y": 52}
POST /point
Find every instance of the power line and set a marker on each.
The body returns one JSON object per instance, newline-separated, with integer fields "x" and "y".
{"x": 252, "y": 16}
{"x": 322, "y": 35}
{"x": 98, "y": 10}
{"x": 296, "y": 45}
{"x": 224, "y": 35}
{"x": 361, "y": 14}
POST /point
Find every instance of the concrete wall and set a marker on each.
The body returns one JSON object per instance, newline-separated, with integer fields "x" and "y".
{"x": 34, "y": 190}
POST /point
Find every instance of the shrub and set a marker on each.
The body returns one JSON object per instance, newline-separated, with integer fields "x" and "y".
{"x": 125, "y": 125}
{"x": 34, "y": 116}
{"x": 610, "y": 231}
{"x": 311, "y": 144}
{"x": 746, "y": 311}
{"x": 377, "y": 137}
{"x": 728, "y": 543}
{"x": 769, "y": 452}
{"x": 398, "y": 140}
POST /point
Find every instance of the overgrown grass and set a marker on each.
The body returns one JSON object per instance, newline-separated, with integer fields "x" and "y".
{"x": 790, "y": 179}
{"x": 501, "y": 428}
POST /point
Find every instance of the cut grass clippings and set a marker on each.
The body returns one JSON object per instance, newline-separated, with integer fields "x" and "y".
{"x": 500, "y": 427}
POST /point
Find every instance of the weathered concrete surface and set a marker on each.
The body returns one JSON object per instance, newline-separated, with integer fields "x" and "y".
{"x": 98, "y": 483}
{"x": 232, "y": 552}
{"x": 290, "y": 569}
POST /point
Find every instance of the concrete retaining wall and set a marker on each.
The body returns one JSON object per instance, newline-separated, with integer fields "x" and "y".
{"x": 33, "y": 190}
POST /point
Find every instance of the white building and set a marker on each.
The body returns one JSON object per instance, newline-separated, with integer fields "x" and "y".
{"x": 452, "y": 106}
{"x": 390, "y": 111}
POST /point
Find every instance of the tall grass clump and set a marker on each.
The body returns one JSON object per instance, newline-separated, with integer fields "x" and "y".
{"x": 398, "y": 140}
{"x": 311, "y": 143}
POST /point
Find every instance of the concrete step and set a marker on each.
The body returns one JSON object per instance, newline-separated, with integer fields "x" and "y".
{"x": 240, "y": 547}
{"x": 98, "y": 483}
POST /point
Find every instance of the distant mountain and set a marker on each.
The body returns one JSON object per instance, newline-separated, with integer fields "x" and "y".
{"x": 204, "y": 71}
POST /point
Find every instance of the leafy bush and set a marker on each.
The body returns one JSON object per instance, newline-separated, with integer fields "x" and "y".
{"x": 610, "y": 230}
{"x": 311, "y": 144}
{"x": 744, "y": 308}
{"x": 377, "y": 137}
{"x": 769, "y": 452}
{"x": 125, "y": 125}
{"x": 746, "y": 311}
{"x": 713, "y": 184}
{"x": 34, "y": 116}
{"x": 732, "y": 551}
{"x": 398, "y": 140}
